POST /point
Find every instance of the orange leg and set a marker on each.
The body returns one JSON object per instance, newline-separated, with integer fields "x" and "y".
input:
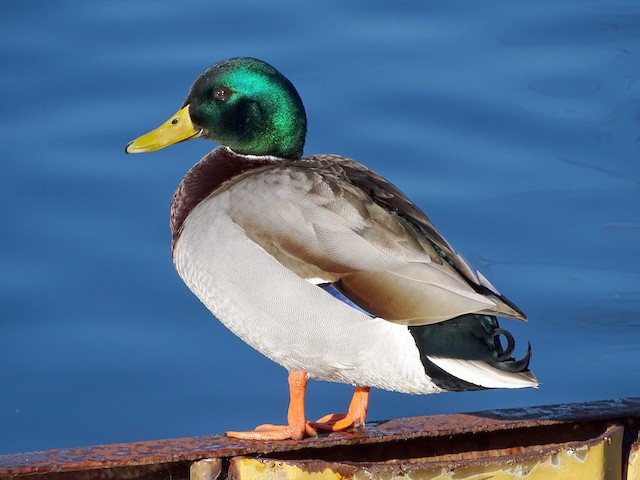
{"x": 298, "y": 426}
{"x": 355, "y": 417}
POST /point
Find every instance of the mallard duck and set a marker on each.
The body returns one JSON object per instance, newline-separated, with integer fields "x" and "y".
{"x": 319, "y": 263}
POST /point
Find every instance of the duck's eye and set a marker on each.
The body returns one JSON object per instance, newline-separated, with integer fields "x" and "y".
{"x": 222, "y": 94}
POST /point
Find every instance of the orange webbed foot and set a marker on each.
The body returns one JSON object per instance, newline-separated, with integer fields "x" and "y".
{"x": 355, "y": 417}
{"x": 276, "y": 432}
{"x": 297, "y": 427}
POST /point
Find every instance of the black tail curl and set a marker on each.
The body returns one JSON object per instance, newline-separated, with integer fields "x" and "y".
{"x": 468, "y": 337}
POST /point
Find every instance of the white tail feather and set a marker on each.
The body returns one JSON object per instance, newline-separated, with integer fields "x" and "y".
{"x": 482, "y": 374}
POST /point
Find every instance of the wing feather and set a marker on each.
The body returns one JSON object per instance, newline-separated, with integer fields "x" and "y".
{"x": 333, "y": 219}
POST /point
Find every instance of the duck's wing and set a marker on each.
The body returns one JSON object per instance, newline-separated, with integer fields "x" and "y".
{"x": 331, "y": 220}
{"x": 389, "y": 197}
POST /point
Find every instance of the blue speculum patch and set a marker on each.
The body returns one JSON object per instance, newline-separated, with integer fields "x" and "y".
{"x": 330, "y": 289}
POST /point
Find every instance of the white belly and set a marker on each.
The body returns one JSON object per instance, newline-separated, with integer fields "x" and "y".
{"x": 286, "y": 318}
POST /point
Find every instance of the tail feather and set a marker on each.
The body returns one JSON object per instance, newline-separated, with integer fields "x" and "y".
{"x": 483, "y": 374}
{"x": 466, "y": 353}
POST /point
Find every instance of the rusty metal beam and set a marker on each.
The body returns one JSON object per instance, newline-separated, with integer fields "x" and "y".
{"x": 597, "y": 458}
{"x": 407, "y": 438}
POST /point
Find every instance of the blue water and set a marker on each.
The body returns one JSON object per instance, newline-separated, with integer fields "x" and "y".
{"x": 514, "y": 124}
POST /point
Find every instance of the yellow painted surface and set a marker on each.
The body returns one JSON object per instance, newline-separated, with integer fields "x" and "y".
{"x": 249, "y": 468}
{"x": 633, "y": 471}
{"x": 593, "y": 460}
{"x": 601, "y": 461}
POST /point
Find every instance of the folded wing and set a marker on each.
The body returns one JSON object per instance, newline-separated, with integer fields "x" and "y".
{"x": 331, "y": 220}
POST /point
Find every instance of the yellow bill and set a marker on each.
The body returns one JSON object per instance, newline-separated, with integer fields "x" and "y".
{"x": 177, "y": 129}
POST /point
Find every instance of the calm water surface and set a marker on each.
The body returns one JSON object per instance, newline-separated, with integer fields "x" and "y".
{"x": 514, "y": 124}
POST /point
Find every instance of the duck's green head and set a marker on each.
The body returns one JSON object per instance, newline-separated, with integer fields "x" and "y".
{"x": 242, "y": 103}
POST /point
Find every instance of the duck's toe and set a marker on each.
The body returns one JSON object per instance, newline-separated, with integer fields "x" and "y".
{"x": 336, "y": 422}
{"x": 277, "y": 432}
{"x": 355, "y": 417}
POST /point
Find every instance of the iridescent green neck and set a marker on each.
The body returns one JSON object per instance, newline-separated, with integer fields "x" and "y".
{"x": 250, "y": 107}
